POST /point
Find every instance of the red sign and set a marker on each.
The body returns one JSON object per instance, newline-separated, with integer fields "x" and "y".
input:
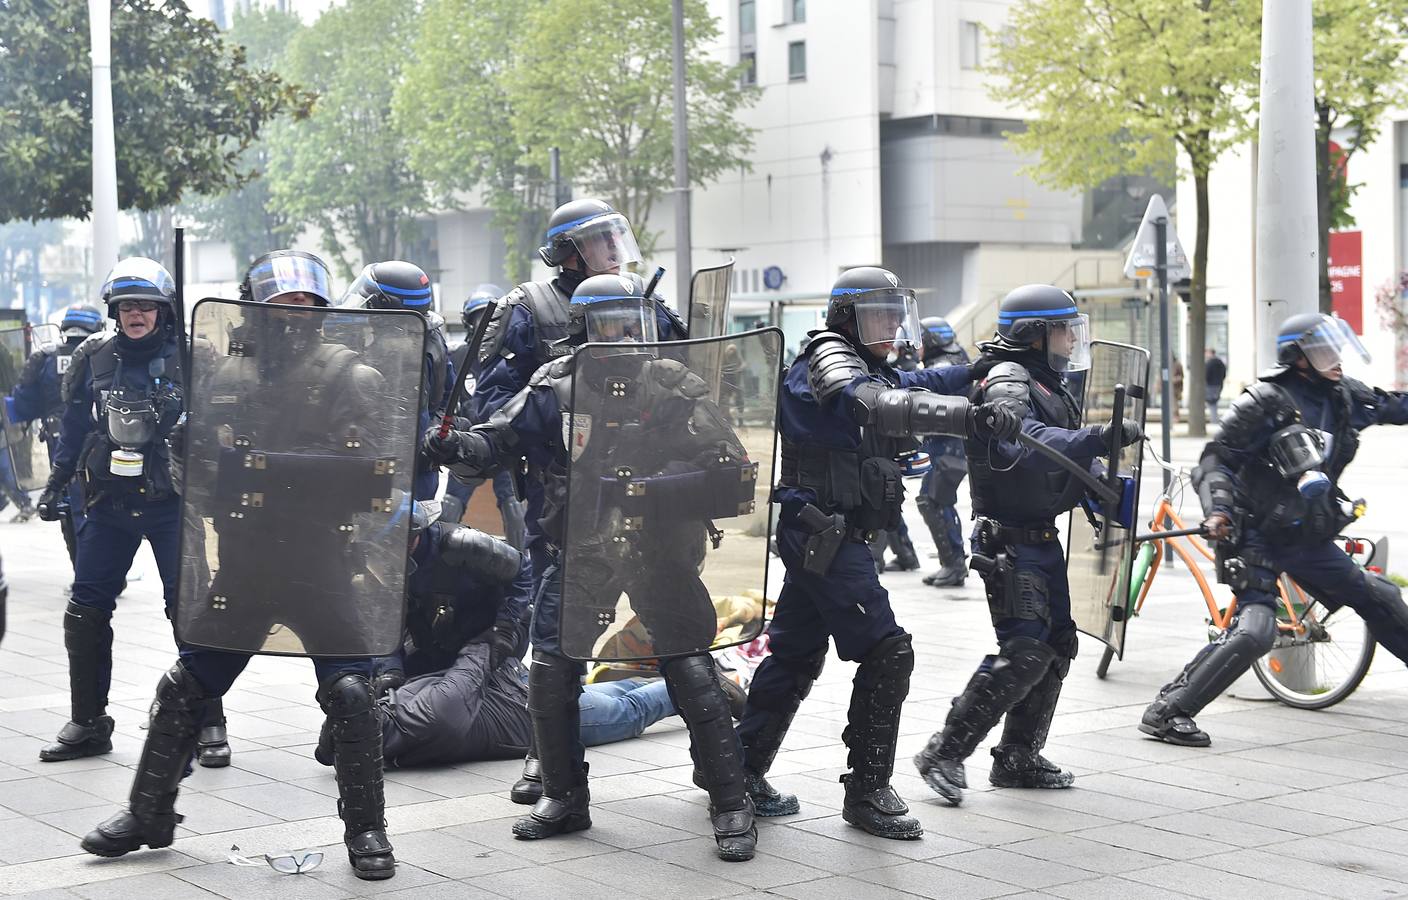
{"x": 1346, "y": 277}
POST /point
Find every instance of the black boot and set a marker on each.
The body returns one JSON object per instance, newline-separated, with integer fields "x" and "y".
{"x": 906, "y": 560}
{"x": 554, "y": 683}
{"x": 213, "y": 747}
{"x": 1213, "y": 670}
{"x": 764, "y": 724}
{"x": 1017, "y": 761}
{"x": 88, "y": 640}
{"x": 529, "y": 786}
{"x": 356, "y": 738}
{"x": 694, "y": 687}
{"x": 872, "y": 730}
{"x": 953, "y": 569}
{"x": 151, "y": 817}
{"x": 1020, "y": 664}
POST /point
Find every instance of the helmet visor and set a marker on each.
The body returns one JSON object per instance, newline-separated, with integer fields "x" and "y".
{"x": 1068, "y": 344}
{"x": 1329, "y": 344}
{"x": 278, "y": 276}
{"x": 620, "y": 323}
{"x": 887, "y": 317}
{"x": 605, "y": 243}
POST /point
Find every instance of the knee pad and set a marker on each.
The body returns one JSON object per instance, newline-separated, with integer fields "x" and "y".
{"x": 926, "y": 504}
{"x": 178, "y": 688}
{"x": 346, "y": 696}
{"x": 892, "y": 660}
{"x": 694, "y": 687}
{"x": 1255, "y": 631}
{"x": 1024, "y": 659}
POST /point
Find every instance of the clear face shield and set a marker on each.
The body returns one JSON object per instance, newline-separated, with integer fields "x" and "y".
{"x": 1068, "y": 344}
{"x": 626, "y": 321}
{"x": 139, "y": 272}
{"x": 887, "y": 319}
{"x": 606, "y": 244}
{"x": 1330, "y": 345}
{"x": 281, "y": 275}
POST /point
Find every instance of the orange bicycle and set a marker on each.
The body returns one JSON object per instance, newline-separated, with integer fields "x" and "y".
{"x": 1321, "y": 654}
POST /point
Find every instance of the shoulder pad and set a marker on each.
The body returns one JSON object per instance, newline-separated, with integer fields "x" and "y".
{"x": 498, "y": 325}
{"x": 1274, "y": 402}
{"x": 90, "y": 345}
{"x": 1262, "y": 408}
{"x": 675, "y": 375}
{"x": 1007, "y": 381}
{"x": 832, "y": 364}
{"x": 552, "y": 371}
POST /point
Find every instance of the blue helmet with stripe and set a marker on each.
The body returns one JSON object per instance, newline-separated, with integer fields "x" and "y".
{"x": 1044, "y": 313}
{"x": 141, "y": 279}
{"x": 479, "y": 298}
{"x": 594, "y": 232}
{"x": 880, "y": 310}
{"x": 81, "y": 321}
{"x": 391, "y": 285}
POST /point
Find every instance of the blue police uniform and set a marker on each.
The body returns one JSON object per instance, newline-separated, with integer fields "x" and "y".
{"x": 38, "y": 397}
{"x": 938, "y": 492}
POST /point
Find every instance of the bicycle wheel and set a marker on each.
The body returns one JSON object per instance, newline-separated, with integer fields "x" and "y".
{"x": 1322, "y": 664}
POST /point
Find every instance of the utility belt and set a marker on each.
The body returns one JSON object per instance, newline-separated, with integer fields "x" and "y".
{"x": 1011, "y": 594}
{"x": 828, "y": 532}
{"x": 868, "y": 490}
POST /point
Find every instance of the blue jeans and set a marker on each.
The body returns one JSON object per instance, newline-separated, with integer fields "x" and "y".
{"x": 620, "y": 710}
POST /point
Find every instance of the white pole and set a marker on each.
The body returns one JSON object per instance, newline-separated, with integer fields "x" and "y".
{"x": 683, "y": 248}
{"x": 1287, "y": 227}
{"x": 104, "y": 216}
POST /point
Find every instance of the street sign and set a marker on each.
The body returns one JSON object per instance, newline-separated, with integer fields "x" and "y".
{"x": 1141, "y": 262}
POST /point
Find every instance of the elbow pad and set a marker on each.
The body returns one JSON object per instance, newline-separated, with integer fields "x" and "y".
{"x": 897, "y": 412}
{"x": 481, "y": 555}
{"x": 1216, "y": 491}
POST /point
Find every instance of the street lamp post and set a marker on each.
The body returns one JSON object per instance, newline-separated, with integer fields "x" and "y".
{"x": 104, "y": 215}
{"x": 684, "y": 265}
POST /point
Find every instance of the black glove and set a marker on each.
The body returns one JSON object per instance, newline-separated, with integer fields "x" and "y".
{"x": 50, "y": 505}
{"x": 503, "y": 645}
{"x": 1130, "y": 433}
{"x": 994, "y": 420}
{"x": 176, "y": 453}
{"x": 465, "y": 449}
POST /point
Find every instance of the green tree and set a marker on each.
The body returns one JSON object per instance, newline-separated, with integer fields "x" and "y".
{"x": 1112, "y": 82}
{"x": 454, "y": 100}
{"x": 499, "y": 82}
{"x": 1358, "y": 78}
{"x": 185, "y": 104}
{"x": 246, "y": 218}
{"x": 604, "y": 96}
{"x": 345, "y": 167}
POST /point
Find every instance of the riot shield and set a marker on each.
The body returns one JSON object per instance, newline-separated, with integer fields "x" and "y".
{"x": 709, "y": 292}
{"x": 299, "y": 455}
{"x": 665, "y": 549}
{"x": 27, "y": 444}
{"x": 1100, "y": 551}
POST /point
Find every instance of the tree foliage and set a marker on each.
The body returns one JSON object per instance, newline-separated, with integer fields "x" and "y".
{"x": 185, "y": 105}
{"x": 346, "y": 168}
{"x": 499, "y": 82}
{"x": 245, "y": 217}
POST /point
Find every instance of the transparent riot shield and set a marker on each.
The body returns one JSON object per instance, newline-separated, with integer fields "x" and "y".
{"x": 299, "y": 454}
{"x": 709, "y": 292}
{"x": 665, "y": 550}
{"x": 27, "y": 443}
{"x": 1100, "y": 551}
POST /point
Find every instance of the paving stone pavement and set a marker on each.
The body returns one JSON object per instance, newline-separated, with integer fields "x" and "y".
{"x": 1285, "y": 804}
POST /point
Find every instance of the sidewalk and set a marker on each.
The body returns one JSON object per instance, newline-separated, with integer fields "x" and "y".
{"x": 1144, "y": 820}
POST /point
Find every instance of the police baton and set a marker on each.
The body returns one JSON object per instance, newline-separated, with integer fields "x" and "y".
{"x": 471, "y": 357}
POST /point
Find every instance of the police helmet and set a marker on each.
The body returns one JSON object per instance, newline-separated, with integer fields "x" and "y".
{"x": 1036, "y": 311}
{"x": 1325, "y": 342}
{"x": 936, "y": 333}
{"x": 883, "y": 309}
{"x": 139, "y": 279}
{"x": 390, "y": 285}
{"x": 480, "y": 298}
{"x": 612, "y": 309}
{"x": 282, "y": 272}
{"x": 594, "y": 231}
{"x": 80, "y": 321}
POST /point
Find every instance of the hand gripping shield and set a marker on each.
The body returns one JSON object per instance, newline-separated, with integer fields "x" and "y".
{"x": 299, "y": 454}
{"x": 1100, "y": 550}
{"x": 26, "y": 444}
{"x": 667, "y": 523}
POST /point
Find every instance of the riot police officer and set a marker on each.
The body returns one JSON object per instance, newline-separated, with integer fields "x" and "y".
{"x": 662, "y": 580}
{"x": 1269, "y": 487}
{"x": 457, "y": 492}
{"x": 948, "y": 466}
{"x": 846, "y": 416}
{"x": 584, "y": 238}
{"x": 1016, "y": 497}
{"x": 401, "y": 285}
{"x": 38, "y": 396}
{"x": 122, "y": 394}
{"x": 302, "y": 404}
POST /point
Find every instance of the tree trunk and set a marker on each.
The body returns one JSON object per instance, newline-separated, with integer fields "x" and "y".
{"x": 1324, "y": 176}
{"x": 1195, "y": 371}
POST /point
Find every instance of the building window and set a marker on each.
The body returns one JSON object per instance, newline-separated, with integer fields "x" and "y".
{"x": 747, "y": 17}
{"x": 969, "y": 45}
{"x": 796, "y": 10}
{"x": 749, "y": 63}
{"x": 797, "y": 61}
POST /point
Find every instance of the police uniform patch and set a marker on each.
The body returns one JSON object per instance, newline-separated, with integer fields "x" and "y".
{"x": 576, "y": 432}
